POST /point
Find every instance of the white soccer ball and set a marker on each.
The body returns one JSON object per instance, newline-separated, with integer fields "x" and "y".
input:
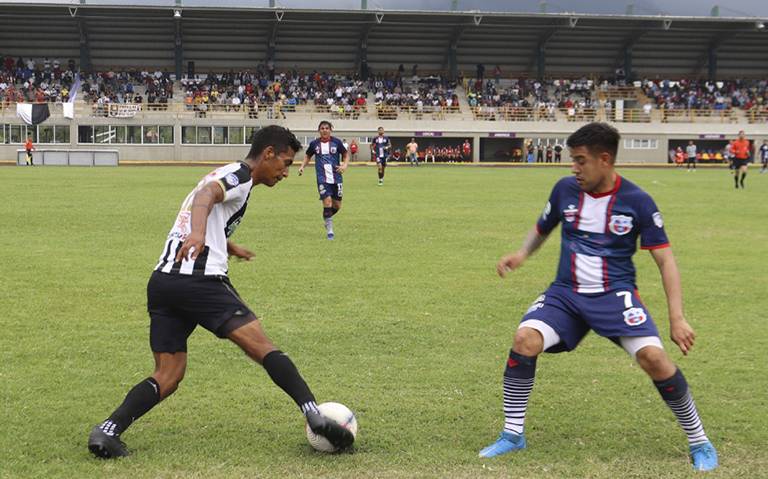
{"x": 338, "y": 413}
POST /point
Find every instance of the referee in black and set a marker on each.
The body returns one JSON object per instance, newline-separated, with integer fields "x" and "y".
{"x": 189, "y": 286}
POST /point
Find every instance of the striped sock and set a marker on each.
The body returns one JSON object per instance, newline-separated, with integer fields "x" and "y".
{"x": 518, "y": 383}
{"x": 675, "y": 393}
{"x": 308, "y": 407}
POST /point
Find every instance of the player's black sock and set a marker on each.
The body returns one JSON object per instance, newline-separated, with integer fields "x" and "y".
{"x": 139, "y": 400}
{"x": 675, "y": 393}
{"x": 327, "y": 211}
{"x": 736, "y": 179}
{"x": 381, "y": 175}
{"x": 334, "y": 211}
{"x": 518, "y": 383}
{"x": 743, "y": 175}
{"x": 284, "y": 373}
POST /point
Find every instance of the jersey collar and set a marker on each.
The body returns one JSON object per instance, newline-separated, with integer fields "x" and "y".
{"x": 616, "y": 186}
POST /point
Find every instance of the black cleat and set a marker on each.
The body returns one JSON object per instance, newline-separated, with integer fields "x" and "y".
{"x": 337, "y": 435}
{"x": 105, "y": 446}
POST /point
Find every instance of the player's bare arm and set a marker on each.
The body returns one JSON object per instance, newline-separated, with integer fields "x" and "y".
{"x": 344, "y": 163}
{"x": 304, "y": 164}
{"x": 680, "y": 331}
{"x": 239, "y": 252}
{"x": 514, "y": 260}
{"x": 202, "y": 204}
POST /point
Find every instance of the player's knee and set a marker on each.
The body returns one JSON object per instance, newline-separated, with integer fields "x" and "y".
{"x": 655, "y": 362}
{"x": 528, "y": 342}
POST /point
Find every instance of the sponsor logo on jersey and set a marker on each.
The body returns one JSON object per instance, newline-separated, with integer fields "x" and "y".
{"x": 182, "y": 223}
{"x": 570, "y": 213}
{"x": 635, "y": 316}
{"x": 547, "y": 211}
{"x": 232, "y": 180}
{"x": 620, "y": 224}
{"x": 658, "y": 220}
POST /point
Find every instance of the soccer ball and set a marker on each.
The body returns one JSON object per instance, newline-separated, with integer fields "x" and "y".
{"x": 338, "y": 413}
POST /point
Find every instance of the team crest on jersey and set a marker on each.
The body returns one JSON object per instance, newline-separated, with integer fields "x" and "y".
{"x": 232, "y": 180}
{"x": 635, "y": 316}
{"x": 570, "y": 213}
{"x": 658, "y": 220}
{"x": 620, "y": 224}
{"x": 333, "y": 150}
{"x": 547, "y": 211}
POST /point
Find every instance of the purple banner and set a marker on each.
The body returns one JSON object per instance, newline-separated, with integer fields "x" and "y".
{"x": 712, "y": 137}
{"x": 504, "y": 134}
{"x": 428, "y": 133}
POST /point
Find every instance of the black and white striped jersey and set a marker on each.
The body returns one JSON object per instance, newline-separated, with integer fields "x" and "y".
{"x": 235, "y": 180}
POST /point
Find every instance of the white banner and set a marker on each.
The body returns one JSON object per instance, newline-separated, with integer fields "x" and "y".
{"x": 123, "y": 110}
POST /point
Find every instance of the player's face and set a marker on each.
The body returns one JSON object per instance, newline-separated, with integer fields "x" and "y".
{"x": 592, "y": 171}
{"x": 381, "y": 131}
{"x": 325, "y": 132}
{"x": 274, "y": 167}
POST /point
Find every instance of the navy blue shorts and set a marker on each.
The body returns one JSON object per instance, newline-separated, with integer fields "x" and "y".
{"x": 334, "y": 190}
{"x": 381, "y": 160}
{"x": 612, "y": 315}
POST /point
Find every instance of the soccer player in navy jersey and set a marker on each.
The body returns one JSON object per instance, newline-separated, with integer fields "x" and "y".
{"x": 190, "y": 286}
{"x": 602, "y": 215}
{"x": 331, "y": 160}
{"x": 381, "y": 147}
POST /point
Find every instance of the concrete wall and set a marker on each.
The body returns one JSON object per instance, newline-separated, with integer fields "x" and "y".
{"x": 306, "y": 129}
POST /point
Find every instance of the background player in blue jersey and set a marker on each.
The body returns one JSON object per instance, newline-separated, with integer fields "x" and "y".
{"x": 381, "y": 148}
{"x": 331, "y": 160}
{"x": 764, "y": 156}
{"x": 601, "y": 215}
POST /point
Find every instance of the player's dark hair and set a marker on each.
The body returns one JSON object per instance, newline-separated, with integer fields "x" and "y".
{"x": 597, "y": 137}
{"x": 278, "y": 137}
{"x": 325, "y": 122}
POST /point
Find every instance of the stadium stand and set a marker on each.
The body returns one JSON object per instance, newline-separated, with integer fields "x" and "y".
{"x": 154, "y": 80}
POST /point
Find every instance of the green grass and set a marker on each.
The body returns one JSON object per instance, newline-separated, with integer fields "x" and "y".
{"x": 402, "y": 318}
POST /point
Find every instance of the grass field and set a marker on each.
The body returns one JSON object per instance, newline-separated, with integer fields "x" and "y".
{"x": 402, "y": 318}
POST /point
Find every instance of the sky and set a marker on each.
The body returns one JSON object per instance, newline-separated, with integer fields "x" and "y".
{"x": 731, "y": 8}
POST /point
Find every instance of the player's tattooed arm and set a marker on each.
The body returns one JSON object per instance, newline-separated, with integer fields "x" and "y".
{"x": 514, "y": 260}
{"x": 210, "y": 194}
{"x": 680, "y": 331}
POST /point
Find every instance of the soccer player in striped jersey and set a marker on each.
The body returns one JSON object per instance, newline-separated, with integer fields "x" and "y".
{"x": 381, "y": 148}
{"x": 602, "y": 215}
{"x": 331, "y": 160}
{"x": 189, "y": 286}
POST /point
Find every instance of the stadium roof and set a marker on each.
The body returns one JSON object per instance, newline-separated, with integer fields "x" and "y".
{"x": 221, "y": 38}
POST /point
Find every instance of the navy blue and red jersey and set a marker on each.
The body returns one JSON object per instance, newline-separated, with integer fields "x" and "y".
{"x": 381, "y": 146}
{"x": 599, "y": 234}
{"x": 328, "y": 156}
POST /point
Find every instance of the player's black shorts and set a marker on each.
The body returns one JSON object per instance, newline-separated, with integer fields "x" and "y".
{"x": 381, "y": 160}
{"x": 177, "y": 303}
{"x": 739, "y": 163}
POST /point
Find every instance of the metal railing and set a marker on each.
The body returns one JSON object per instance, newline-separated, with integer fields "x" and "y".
{"x": 277, "y": 111}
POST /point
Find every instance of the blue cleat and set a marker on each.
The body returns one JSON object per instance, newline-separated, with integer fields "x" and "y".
{"x": 704, "y": 456}
{"x": 330, "y": 236}
{"x": 507, "y": 442}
